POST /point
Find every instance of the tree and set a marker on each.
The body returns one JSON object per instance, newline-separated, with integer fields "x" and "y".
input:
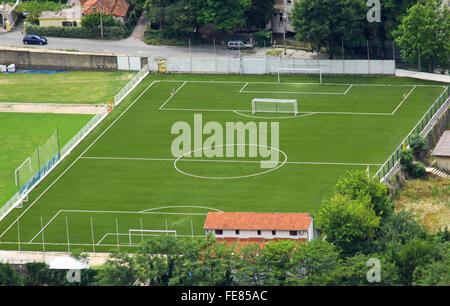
{"x": 356, "y": 184}
{"x": 117, "y": 271}
{"x": 92, "y": 20}
{"x": 413, "y": 168}
{"x": 9, "y": 276}
{"x": 224, "y": 14}
{"x": 411, "y": 256}
{"x": 436, "y": 273}
{"x": 424, "y": 33}
{"x": 328, "y": 22}
{"x": 419, "y": 146}
{"x": 314, "y": 263}
{"x": 353, "y": 272}
{"x": 347, "y": 223}
{"x": 259, "y": 14}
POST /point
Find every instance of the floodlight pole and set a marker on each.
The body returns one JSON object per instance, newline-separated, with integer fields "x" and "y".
{"x": 284, "y": 32}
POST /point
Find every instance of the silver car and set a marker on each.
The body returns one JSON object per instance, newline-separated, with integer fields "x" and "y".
{"x": 239, "y": 44}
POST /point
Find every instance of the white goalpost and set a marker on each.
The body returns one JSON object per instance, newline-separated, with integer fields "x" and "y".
{"x": 288, "y": 106}
{"x": 142, "y": 232}
{"x": 303, "y": 71}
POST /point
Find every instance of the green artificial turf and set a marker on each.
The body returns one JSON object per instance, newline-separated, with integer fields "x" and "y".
{"x": 74, "y": 87}
{"x": 123, "y": 176}
{"x": 21, "y": 133}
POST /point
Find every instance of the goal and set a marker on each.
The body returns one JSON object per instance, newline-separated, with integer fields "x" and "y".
{"x": 288, "y": 106}
{"x": 311, "y": 73}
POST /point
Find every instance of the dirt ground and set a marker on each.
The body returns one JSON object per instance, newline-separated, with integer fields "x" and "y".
{"x": 49, "y": 108}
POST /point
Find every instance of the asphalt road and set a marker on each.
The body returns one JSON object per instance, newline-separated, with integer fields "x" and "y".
{"x": 129, "y": 46}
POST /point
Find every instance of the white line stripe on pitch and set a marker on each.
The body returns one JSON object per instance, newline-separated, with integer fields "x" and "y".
{"x": 404, "y": 99}
{"x": 171, "y": 96}
{"x": 223, "y": 160}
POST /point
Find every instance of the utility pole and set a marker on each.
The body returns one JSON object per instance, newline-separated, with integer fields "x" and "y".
{"x": 101, "y": 21}
{"x": 284, "y": 32}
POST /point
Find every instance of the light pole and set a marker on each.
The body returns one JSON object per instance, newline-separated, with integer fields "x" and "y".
{"x": 101, "y": 21}
{"x": 284, "y": 32}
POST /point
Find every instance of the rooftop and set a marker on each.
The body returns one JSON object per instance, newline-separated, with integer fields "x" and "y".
{"x": 67, "y": 13}
{"x": 257, "y": 221}
{"x": 443, "y": 146}
{"x": 110, "y": 7}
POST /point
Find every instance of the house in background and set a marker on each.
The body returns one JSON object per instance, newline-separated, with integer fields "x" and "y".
{"x": 252, "y": 226}
{"x": 281, "y": 17}
{"x": 441, "y": 152}
{"x": 118, "y": 9}
{"x": 68, "y": 17}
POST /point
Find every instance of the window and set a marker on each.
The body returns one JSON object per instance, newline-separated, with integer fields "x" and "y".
{"x": 259, "y": 233}
{"x": 274, "y": 233}
{"x": 237, "y": 232}
{"x": 293, "y": 233}
{"x": 219, "y": 232}
{"x": 69, "y": 23}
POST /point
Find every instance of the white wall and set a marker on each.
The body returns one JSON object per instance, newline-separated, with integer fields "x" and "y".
{"x": 270, "y": 65}
{"x": 245, "y": 234}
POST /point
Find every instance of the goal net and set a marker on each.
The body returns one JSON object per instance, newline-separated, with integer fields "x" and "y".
{"x": 309, "y": 74}
{"x": 288, "y": 106}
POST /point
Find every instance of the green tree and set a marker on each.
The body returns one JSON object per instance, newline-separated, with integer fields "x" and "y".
{"x": 224, "y": 14}
{"x": 419, "y": 146}
{"x": 259, "y": 14}
{"x": 347, "y": 223}
{"x": 353, "y": 272}
{"x": 314, "y": 263}
{"x": 356, "y": 184}
{"x": 118, "y": 270}
{"x": 328, "y": 22}
{"x": 9, "y": 276}
{"x": 92, "y": 20}
{"x": 412, "y": 255}
{"x": 425, "y": 31}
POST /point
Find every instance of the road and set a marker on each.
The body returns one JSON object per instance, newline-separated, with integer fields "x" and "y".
{"x": 129, "y": 46}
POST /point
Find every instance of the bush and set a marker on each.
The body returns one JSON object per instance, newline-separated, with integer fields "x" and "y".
{"x": 77, "y": 32}
{"x": 406, "y": 160}
{"x": 419, "y": 145}
{"x": 262, "y": 38}
{"x": 418, "y": 170}
{"x": 92, "y": 21}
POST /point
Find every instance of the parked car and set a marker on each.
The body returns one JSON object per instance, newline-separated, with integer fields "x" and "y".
{"x": 239, "y": 44}
{"x": 34, "y": 39}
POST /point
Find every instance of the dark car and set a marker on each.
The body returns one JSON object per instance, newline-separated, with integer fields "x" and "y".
{"x": 34, "y": 39}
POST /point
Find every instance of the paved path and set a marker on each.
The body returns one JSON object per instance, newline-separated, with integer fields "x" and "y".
{"x": 423, "y": 75}
{"x": 50, "y": 258}
{"x": 54, "y": 108}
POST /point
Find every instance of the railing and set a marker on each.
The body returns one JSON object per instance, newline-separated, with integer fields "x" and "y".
{"x": 422, "y": 128}
{"x": 25, "y": 190}
{"x": 131, "y": 85}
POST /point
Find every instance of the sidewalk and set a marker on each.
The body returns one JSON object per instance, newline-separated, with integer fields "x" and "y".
{"x": 423, "y": 75}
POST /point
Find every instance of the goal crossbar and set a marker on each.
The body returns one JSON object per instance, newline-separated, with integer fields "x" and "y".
{"x": 299, "y": 70}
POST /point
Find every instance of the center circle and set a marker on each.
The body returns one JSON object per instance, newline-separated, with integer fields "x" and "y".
{"x": 229, "y": 177}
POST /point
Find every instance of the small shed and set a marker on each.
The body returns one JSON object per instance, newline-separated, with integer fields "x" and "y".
{"x": 442, "y": 152}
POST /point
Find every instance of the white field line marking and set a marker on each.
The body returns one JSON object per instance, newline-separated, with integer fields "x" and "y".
{"x": 294, "y": 92}
{"x": 249, "y": 111}
{"x": 146, "y": 212}
{"x": 135, "y": 244}
{"x": 243, "y": 87}
{"x": 348, "y": 89}
{"x": 70, "y": 166}
{"x": 224, "y": 160}
{"x": 281, "y": 117}
{"x": 180, "y": 206}
{"x": 256, "y": 82}
{"x": 171, "y": 96}
{"x": 404, "y": 99}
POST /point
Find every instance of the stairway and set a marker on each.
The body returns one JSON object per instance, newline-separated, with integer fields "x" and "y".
{"x": 437, "y": 172}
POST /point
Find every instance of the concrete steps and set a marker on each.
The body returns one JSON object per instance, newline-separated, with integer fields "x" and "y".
{"x": 437, "y": 172}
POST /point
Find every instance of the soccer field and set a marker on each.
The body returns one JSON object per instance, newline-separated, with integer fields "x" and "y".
{"x": 123, "y": 184}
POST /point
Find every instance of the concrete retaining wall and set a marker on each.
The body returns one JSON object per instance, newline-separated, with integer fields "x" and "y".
{"x": 25, "y": 58}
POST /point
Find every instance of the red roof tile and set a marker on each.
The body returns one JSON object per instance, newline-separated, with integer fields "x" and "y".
{"x": 257, "y": 221}
{"x": 110, "y": 7}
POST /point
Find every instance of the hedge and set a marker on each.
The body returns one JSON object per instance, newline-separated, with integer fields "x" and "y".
{"x": 77, "y": 32}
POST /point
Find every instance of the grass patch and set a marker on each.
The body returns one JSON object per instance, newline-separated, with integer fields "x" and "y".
{"x": 21, "y": 133}
{"x": 74, "y": 87}
{"x": 429, "y": 199}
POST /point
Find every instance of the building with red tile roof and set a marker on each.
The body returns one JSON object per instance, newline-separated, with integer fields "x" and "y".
{"x": 252, "y": 226}
{"x": 116, "y": 8}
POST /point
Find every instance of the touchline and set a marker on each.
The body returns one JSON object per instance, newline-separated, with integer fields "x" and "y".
{"x": 190, "y": 140}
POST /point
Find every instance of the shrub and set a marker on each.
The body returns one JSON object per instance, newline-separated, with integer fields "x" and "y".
{"x": 262, "y": 38}
{"x": 77, "y": 32}
{"x": 419, "y": 145}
